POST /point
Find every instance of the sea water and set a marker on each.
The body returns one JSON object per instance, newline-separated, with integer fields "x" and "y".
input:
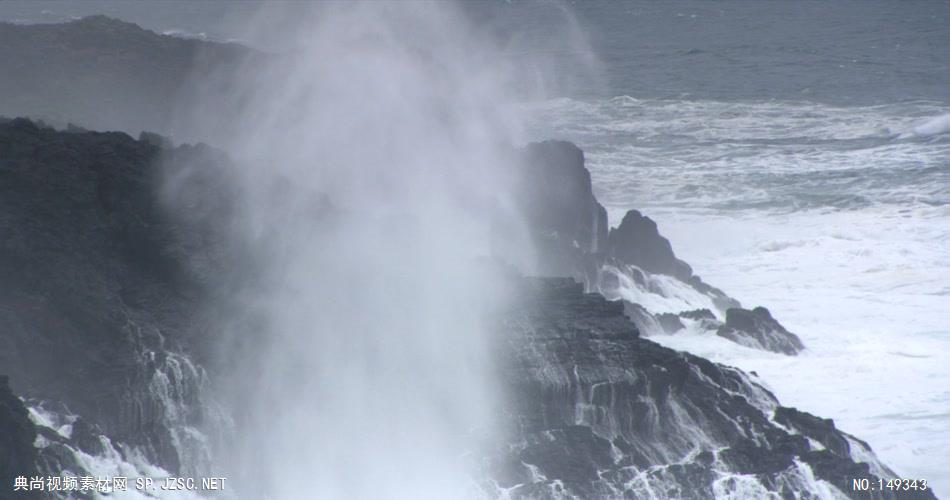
{"x": 798, "y": 157}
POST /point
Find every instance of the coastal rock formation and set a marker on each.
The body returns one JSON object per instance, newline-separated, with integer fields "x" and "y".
{"x": 758, "y": 329}
{"x": 128, "y": 90}
{"x": 96, "y": 289}
{"x": 567, "y": 226}
{"x": 100, "y": 291}
{"x": 559, "y": 198}
{"x": 602, "y": 413}
{"x": 637, "y": 241}
{"x": 632, "y": 262}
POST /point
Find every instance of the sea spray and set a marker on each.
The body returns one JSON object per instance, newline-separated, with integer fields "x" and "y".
{"x": 370, "y": 163}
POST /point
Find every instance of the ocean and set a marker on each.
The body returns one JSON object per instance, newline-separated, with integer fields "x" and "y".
{"x": 797, "y": 155}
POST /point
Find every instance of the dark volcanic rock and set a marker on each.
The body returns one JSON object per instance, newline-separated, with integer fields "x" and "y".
{"x": 820, "y": 429}
{"x": 97, "y": 289}
{"x": 637, "y": 241}
{"x": 100, "y": 288}
{"x": 568, "y": 231}
{"x": 648, "y": 323}
{"x": 567, "y": 226}
{"x": 86, "y": 437}
{"x": 757, "y": 329}
{"x": 720, "y": 299}
{"x": 558, "y": 196}
{"x": 601, "y": 413}
{"x": 18, "y": 457}
{"x": 670, "y": 322}
{"x": 704, "y": 318}
{"x": 698, "y": 314}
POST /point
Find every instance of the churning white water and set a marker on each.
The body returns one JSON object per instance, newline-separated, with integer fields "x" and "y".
{"x": 834, "y": 217}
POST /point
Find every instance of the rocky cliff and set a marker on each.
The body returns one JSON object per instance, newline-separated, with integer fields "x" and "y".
{"x": 102, "y": 336}
{"x": 98, "y": 299}
{"x": 604, "y": 413}
{"x": 632, "y": 262}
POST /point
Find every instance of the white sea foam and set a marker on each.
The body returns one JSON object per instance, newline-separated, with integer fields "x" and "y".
{"x": 835, "y": 218}
{"x": 61, "y": 424}
{"x": 115, "y": 460}
{"x": 934, "y": 126}
{"x": 372, "y": 346}
{"x": 868, "y": 299}
{"x": 187, "y": 34}
{"x": 658, "y": 293}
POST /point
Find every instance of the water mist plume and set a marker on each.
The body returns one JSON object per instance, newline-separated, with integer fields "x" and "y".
{"x": 371, "y": 161}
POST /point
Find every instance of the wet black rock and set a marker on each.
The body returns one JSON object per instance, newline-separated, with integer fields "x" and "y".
{"x": 670, "y": 322}
{"x": 599, "y": 412}
{"x": 698, "y": 314}
{"x": 86, "y": 437}
{"x": 649, "y": 323}
{"x": 98, "y": 284}
{"x": 646, "y": 322}
{"x": 567, "y": 226}
{"x": 637, "y": 241}
{"x": 559, "y": 197}
{"x": 569, "y": 232}
{"x": 101, "y": 286}
{"x": 821, "y": 430}
{"x": 18, "y": 456}
{"x": 758, "y": 329}
{"x": 704, "y": 319}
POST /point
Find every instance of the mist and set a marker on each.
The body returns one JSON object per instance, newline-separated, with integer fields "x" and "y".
{"x": 369, "y": 162}
{"x": 312, "y": 250}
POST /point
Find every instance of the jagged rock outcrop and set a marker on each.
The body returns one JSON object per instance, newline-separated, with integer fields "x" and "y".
{"x": 758, "y": 329}
{"x": 568, "y": 229}
{"x": 637, "y": 241}
{"x": 600, "y": 412}
{"x": 18, "y": 456}
{"x": 566, "y": 225}
{"x": 671, "y": 323}
{"x": 569, "y": 226}
{"x": 638, "y": 245}
{"x": 100, "y": 288}
{"x": 32, "y": 448}
{"x": 558, "y": 196}
{"x": 98, "y": 299}
{"x": 645, "y": 321}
